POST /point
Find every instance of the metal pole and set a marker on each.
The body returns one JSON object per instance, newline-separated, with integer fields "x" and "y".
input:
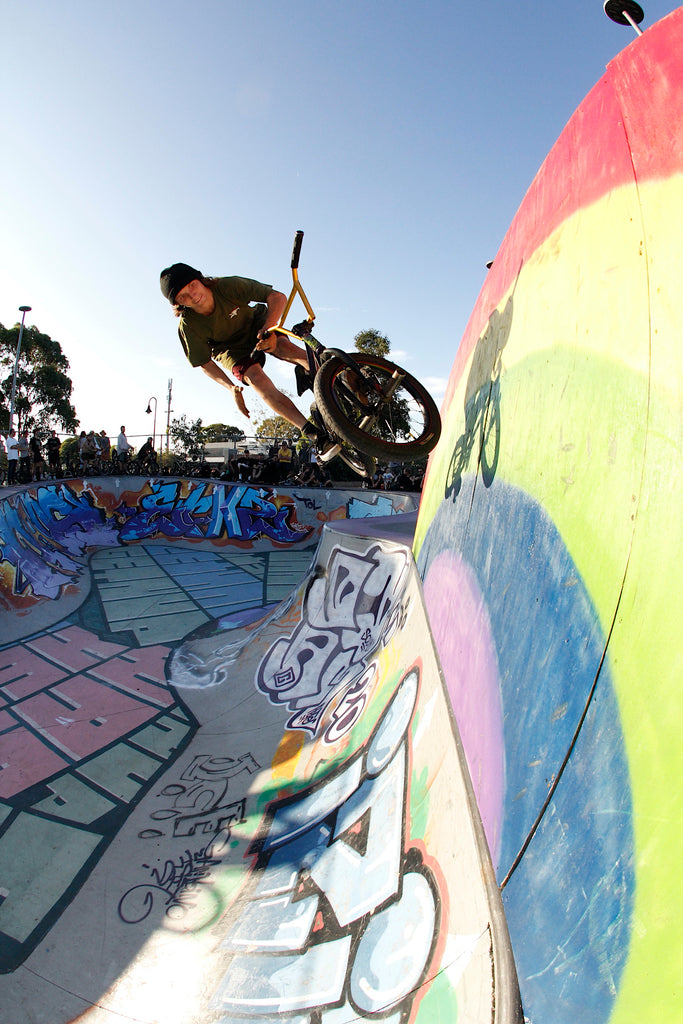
{"x": 23, "y": 310}
{"x": 154, "y": 428}
{"x": 168, "y": 413}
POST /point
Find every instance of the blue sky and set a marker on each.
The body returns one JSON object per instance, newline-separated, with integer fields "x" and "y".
{"x": 400, "y": 137}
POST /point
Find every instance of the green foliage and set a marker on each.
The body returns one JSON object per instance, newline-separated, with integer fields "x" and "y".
{"x": 397, "y": 423}
{"x": 277, "y": 428}
{"x": 43, "y": 391}
{"x": 373, "y": 343}
{"x": 187, "y": 437}
{"x": 218, "y": 432}
{"x": 69, "y": 449}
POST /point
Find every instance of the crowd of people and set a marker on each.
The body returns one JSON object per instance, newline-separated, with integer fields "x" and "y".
{"x": 32, "y": 458}
{"x": 24, "y": 458}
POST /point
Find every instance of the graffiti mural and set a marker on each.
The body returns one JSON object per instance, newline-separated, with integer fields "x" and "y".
{"x": 350, "y": 608}
{"x": 340, "y": 914}
{"x": 88, "y": 720}
{"x": 46, "y": 532}
{"x": 196, "y": 806}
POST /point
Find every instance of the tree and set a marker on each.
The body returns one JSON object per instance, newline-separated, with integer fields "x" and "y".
{"x": 43, "y": 388}
{"x": 277, "y": 428}
{"x": 187, "y": 437}
{"x": 217, "y": 432}
{"x": 373, "y": 343}
{"x": 394, "y": 423}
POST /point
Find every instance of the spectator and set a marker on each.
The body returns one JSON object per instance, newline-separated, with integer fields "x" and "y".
{"x": 53, "y": 445}
{"x": 24, "y": 458}
{"x": 88, "y": 449}
{"x": 104, "y": 446}
{"x": 37, "y": 457}
{"x": 122, "y": 442}
{"x": 12, "y": 456}
{"x": 403, "y": 481}
{"x": 122, "y": 446}
{"x": 284, "y": 458}
{"x": 147, "y": 457}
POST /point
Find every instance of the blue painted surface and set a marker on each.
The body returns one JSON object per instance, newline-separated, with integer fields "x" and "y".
{"x": 547, "y": 671}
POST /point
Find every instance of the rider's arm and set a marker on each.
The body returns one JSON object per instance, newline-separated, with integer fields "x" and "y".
{"x": 275, "y": 304}
{"x": 217, "y": 373}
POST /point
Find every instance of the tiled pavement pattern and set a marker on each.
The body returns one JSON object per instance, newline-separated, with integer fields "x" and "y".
{"x": 85, "y": 725}
{"x": 162, "y": 592}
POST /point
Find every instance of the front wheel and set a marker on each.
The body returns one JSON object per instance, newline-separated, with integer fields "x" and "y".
{"x": 385, "y": 412}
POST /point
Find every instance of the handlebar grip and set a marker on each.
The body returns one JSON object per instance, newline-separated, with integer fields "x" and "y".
{"x": 296, "y": 251}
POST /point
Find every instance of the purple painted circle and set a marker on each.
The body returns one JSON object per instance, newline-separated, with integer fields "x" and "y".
{"x": 464, "y": 639}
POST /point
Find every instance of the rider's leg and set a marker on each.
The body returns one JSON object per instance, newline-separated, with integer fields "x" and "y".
{"x": 288, "y": 351}
{"x": 274, "y": 399}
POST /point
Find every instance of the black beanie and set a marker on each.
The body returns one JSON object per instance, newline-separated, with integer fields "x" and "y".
{"x": 173, "y": 279}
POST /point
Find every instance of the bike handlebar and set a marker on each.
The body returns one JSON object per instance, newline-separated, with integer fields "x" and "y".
{"x": 296, "y": 251}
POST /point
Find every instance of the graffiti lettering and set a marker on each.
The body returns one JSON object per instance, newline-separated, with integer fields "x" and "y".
{"x": 196, "y": 809}
{"x": 350, "y": 707}
{"x": 176, "y": 885}
{"x": 45, "y": 533}
{"x": 348, "y": 612}
{"x": 334, "y": 886}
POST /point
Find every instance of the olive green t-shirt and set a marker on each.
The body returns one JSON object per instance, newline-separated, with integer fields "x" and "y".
{"x": 229, "y": 333}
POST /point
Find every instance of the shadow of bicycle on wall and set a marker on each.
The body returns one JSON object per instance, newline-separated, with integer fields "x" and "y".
{"x": 478, "y": 447}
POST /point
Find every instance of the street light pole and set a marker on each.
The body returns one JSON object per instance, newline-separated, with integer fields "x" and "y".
{"x": 625, "y": 12}
{"x": 168, "y": 412}
{"x": 23, "y": 310}
{"x": 148, "y": 409}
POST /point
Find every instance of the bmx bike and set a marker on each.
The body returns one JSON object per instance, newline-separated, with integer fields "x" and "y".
{"x": 369, "y": 407}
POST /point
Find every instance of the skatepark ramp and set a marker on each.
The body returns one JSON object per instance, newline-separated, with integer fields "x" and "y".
{"x": 231, "y": 785}
{"x": 552, "y": 510}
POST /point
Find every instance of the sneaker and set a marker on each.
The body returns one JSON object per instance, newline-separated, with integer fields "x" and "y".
{"x": 304, "y": 381}
{"x": 314, "y": 431}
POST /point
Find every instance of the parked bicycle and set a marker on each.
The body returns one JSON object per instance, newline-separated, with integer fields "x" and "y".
{"x": 369, "y": 407}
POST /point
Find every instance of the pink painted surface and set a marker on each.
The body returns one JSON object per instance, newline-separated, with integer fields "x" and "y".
{"x": 463, "y": 637}
{"x": 24, "y": 760}
{"x": 139, "y": 672}
{"x": 23, "y": 672}
{"x": 75, "y": 648}
{"x": 81, "y": 715}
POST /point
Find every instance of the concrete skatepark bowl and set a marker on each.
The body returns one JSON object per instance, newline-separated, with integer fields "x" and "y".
{"x": 317, "y": 757}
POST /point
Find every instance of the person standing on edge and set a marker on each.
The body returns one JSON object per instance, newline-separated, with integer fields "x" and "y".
{"x": 37, "y": 456}
{"x": 122, "y": 446}
{"x": 25, "y": 474}
{"x": 219, "y": 330}
{"x": 53, "y": 445}
{"x": 12, "y": 456}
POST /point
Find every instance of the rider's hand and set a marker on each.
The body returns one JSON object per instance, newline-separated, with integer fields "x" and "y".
{"x": 267, "y": 340}
{"x": 239, "y": 399}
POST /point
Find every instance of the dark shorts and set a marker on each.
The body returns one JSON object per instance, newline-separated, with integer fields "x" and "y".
{"x": 240, "y": 368}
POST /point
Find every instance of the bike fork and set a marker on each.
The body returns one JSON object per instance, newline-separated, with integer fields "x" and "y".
{"x": 387, "y": 394}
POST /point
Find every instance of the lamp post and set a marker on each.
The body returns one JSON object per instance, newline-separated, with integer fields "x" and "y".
{"x": 23, "y": 310}
{"x": 148, "y": 410}
{"x": 168, "y": 412}
{"x": 625, "y": 12}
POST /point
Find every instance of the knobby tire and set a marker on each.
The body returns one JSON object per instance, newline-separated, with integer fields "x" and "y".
{"x": 343, "y": 412}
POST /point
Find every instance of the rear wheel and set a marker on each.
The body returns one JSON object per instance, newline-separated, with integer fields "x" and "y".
{"x": 385, "y": 412}
{"x": 362, "y": 464}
